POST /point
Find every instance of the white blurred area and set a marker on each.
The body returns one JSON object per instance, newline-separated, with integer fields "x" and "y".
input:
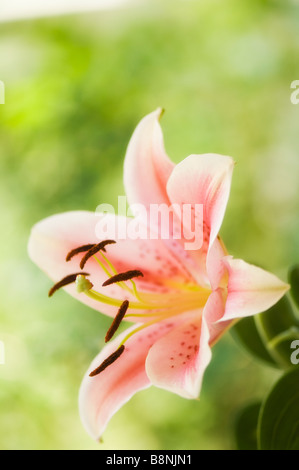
{"x": 11, "y": 10}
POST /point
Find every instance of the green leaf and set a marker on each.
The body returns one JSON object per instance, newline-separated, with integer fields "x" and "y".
{"x": 294, "y": 282}
{"x": 246, "y": 427}
{"x": 278, "y": 424}
{"x": 246, "y": 333}
{"x": 278, "y": 327}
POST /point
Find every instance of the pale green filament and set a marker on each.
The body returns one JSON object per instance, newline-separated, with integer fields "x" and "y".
{"x": 171, "y": 303}
{"x": 102, "y": 266}
{"x": 135, "y": 292}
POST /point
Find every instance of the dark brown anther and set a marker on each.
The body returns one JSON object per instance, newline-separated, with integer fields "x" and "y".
{"x": 112, "y": 358}
{"x": 80, "y": 249}
{"x": 64, "y": 282}
{"x": 122, "y": 277}
{"x": 95, "y": 249}
{"x": 117, "y": 320}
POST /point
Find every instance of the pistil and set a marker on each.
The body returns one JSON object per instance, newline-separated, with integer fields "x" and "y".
{"x": 64, "y": 282}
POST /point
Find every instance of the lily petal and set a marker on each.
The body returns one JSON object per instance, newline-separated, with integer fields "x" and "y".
{"x": 177, "y": 361}
{"x": 251, "y": 290}
{"x": 147, "y": 166}
{"x": 204, "y": 180}
{"x": 100, "y": 397}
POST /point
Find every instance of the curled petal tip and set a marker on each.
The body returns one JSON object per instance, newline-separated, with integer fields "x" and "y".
{"x": 160, "y": 112}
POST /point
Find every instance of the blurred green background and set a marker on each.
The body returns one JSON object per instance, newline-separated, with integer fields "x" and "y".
{"x": 76, "y": 87}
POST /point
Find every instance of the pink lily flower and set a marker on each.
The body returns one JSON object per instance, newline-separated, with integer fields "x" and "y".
{"x": 180, "y": 301}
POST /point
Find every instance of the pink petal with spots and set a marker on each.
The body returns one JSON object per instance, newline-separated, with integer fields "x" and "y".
{"x": 52, "y": 238}
{"x": 251, "y": 290}
{"x": 177, "y": 361}
{"x": 102, "y": 396}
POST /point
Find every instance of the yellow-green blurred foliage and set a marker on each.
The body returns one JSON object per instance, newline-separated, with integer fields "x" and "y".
{"x": 76, "y": 87}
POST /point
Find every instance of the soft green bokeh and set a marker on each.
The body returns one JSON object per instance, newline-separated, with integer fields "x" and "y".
{"x": 75, "y": 89}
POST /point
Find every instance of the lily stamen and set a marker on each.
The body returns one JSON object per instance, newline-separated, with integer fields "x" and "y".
{"x": 112, "y": 271}
{"x": 95, "y": 249}
{"x": 80, "y": 249}
{"x": 128, "y": 275}
{"x": 110, "y": 359}
{"x": 117, "y": 320}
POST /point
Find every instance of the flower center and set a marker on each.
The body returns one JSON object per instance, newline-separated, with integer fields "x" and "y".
{"x": 148, "y": 307}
